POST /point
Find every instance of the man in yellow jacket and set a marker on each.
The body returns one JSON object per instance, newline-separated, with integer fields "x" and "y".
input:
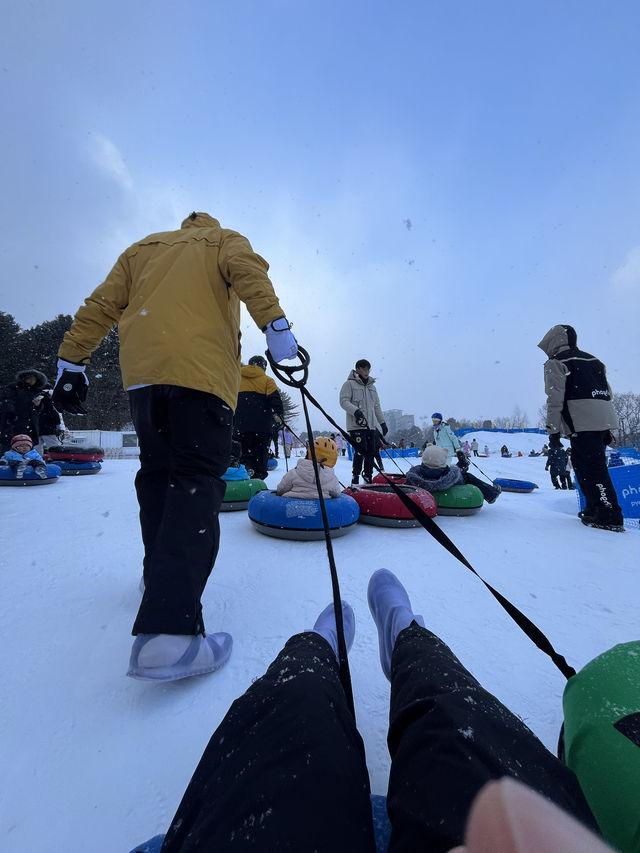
{"x": 175, "y": 297}
{"x": 259, "y": 404}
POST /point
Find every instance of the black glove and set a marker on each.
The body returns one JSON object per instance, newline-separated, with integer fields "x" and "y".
{"x": 608, "y": 438}
{"x": 360, "y": 418}
{"x": 70, "y": 392}
{"x": 554, "y": 440}
{"x": 463, "y": 462}
{"x": 384, "y": 428}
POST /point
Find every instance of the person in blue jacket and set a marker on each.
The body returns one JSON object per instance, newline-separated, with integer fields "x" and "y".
{"x": 21, "y": 455}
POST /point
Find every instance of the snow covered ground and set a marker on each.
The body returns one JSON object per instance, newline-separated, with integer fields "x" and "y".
{"x": 96, "y": 760}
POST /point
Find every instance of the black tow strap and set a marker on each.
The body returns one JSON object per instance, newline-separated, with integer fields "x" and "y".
{"x": 530, "y": 629}
{"x": 286, "y": 374}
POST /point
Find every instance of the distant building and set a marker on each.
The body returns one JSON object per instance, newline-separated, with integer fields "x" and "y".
{"x": 397, "y": 421}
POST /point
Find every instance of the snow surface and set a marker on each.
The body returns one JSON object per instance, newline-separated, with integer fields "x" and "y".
{"x": 95, "y": 759}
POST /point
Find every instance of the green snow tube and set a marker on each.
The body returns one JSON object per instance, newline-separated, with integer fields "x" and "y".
{"x": 459, "y": 500}
{"x": 239, "y": 492}
{"x": 602, "y": 741}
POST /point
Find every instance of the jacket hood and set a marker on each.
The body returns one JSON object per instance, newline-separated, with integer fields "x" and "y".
{"x": 250, "y": 371}
{"x": 357, "y": 378}
{"x": 201, "y": 220}
{"x": 558, "y": 338}
{"x": 41, "y": 379}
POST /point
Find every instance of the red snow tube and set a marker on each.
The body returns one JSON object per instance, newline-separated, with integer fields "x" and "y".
{"x": 71, "y": 453}
{"x": 382, "y": 479}
{"x": 380, "y": 505}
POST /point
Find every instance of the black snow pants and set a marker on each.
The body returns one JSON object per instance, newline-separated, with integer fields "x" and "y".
{"x": 185, "y": 446}
{"x": 489, "y": 491}
{"x": 255, "y": 452}
{"x": 285, "y": 770}
{"x": 590, "y": 466}
{"x": 365, "y": 443}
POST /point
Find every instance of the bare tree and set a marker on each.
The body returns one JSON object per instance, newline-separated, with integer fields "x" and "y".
{"x": 627, "y": 408}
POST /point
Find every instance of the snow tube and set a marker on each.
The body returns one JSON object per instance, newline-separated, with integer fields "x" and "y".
{"x": 272, "y": 463}
{"x": 239, "y": 473}
{"x": 381, "y": 829}
{"x": 70, "y": 469}
{"x": 379, "y": 479}
{"x": 459, "y": 500}
{"x": 8, "y": 478}
{"x": 515, "y": 485}
{"x": 601, "y": 740}
{"x": 239, "y": 492}
{"x": 294, "y": 518}
{"x": 380, "y": 505}
{"x": 73, "y": 453}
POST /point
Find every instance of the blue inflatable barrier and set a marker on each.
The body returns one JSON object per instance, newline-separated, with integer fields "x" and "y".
{"x": 293, "y": 518}
{"x": 626, "y": 482}
{"x": 71, "y": 469}
{"x": 522, "y": 486}
{"x": 30, "y": 478}
{"x": 381, "y": 829}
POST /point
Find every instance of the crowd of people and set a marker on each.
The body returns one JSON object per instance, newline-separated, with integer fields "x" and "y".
{"x": 190, "y": 397}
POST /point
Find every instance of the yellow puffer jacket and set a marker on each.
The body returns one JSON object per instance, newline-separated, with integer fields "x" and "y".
{"x": 176, "y": 299}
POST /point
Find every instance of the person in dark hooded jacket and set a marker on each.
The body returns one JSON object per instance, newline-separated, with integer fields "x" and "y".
{"x": 579, "y": 406}
{"x": 436, "y": 475}
{"x": 20, "y": 405}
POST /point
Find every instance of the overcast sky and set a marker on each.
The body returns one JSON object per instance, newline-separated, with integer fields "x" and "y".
{"x": 434, "y": 184}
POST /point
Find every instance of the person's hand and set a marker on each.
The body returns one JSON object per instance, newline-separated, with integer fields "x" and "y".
{"x": 280, "y": 340}
{"x": 360, "y": 418}
{"x": 70, "y": 390}
{"x": 384, "y": 428}
{"x": 508, "y": 817}
{"x": 609, "y": 438}
{"x": 554, "y": 440}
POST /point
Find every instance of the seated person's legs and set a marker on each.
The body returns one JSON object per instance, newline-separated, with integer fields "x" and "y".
{"x": 448, "y": 736}
{"x": 285, "y": 770}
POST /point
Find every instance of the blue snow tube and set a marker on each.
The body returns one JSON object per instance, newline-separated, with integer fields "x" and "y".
{"x": 239, "y": 473}
{"x": 515, "y": 485}
{"x": 272, "y": 463}
{"x": 30, "y": 478}
{"x": 70, "y": 469}
{"x": 381, "y": 829}
{"x": 295, "y": 518}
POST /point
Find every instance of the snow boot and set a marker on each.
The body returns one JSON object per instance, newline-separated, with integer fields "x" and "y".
{"x": 496, "y": 495}
{"x": 169, "y": 657}
{"x": 326, "y": 626}
{"x": 603, "y": 523}
{"x": 392, "y": 612}
{"x": 355, "y": 480}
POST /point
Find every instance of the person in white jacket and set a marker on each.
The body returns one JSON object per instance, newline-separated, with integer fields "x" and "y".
{"x": 300, "y": 482}
{"x": 359, "y": 398}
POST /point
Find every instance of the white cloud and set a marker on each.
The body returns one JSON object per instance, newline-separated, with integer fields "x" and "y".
{"x": 108, "y": 158}
{"x": 627, "y": 277}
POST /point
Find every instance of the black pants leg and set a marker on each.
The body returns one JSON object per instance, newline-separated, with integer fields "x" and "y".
{"x": 255, "y": 452}
{"x": 285, "y": 770}
{"x": 447, "y": 737}
{"x": 185, "y": 444}
{"x": 365, "y": 441}
{"x": 489, "y": 492}
{"x": 590, "y": 466}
